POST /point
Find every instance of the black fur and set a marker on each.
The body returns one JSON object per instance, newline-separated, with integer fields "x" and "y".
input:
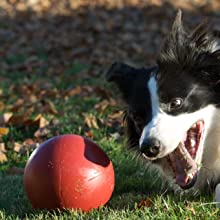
{"x": 187, "y": 60}
{"x": 132, "y": 85}
{"x": 192, "y": 53}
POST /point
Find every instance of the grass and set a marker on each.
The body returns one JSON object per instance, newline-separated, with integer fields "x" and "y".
{"x": 134, "y": 182}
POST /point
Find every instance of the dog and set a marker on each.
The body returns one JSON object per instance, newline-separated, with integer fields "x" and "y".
{"x": 172, "y": 115}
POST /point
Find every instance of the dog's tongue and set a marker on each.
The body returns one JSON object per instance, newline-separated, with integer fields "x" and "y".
{"x": 183, "y": 165}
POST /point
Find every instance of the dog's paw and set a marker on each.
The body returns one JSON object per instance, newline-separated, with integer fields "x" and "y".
{"x": 186, "y": 193}
{"x": 192, "y": 192}
{"x": 177, "y": 191}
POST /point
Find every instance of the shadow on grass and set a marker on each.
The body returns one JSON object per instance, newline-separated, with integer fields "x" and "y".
{"x": 14, "y": 203}
{"x": 12, "y": 197}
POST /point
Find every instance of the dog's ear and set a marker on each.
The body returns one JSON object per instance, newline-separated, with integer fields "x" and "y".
{"x": 172, "y": 50}
{"x": 124, "y": 77}
{"x": 178, "y": 32}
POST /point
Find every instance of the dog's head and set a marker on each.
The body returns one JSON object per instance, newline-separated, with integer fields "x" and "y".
{"x": 170, "y": 106}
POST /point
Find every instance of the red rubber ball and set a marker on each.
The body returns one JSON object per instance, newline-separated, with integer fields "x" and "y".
{"x": 68, "y": 172}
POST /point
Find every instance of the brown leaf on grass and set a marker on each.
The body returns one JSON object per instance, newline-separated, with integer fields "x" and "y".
{"x": 27, "y": 145}
{"x": 17, "y": 105}
{"x": 28, "y": 122}
{"x": 190, "y": 208}
{"x": 39, "y": 123}
{"x": 41, "y": 132}
{"x": 42, "y": 121}
{"x": 3, "y": 157}
{"x": 103, "y": 93}
{"x": 145, "y": 203}
{"x": 116, "y": 115}
{"x": 102, "y": 105}
{"x": 32, "y": 98}
{"x": 49, "y": 107}
{"x": 17, "y": 120}
{"x": 90, "y": 121}
{"x": 113, "y": 123}
{"x": 2, "y": 105}
{"x": 30, "y": 144}
{"x": 112, "y": 102}
{"x": 115, "y": 119}
{"x": 23, "y": 120}
{"x": 20, "y": 148}
{"x": 17, "y": 147}
{"x": 15, "y": 170}
{"x": 3, "y": 131}
{"x": 5, "y": 117}
{"x": 89, "y": 134}
{"x": 87, "y": 91}
{"x": 105, "y": 104}
{"x": 75, "y": 91}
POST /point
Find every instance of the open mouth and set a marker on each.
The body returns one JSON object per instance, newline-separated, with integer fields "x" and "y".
{"x": 186, "y": 157}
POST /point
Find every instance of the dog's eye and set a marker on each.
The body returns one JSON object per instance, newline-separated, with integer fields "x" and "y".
{"x": 175, "y": 104}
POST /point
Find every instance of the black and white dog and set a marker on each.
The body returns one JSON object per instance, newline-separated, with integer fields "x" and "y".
{"x": 173, "y": 109}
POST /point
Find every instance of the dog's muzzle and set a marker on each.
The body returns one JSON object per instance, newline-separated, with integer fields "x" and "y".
{"x": 150, "y": 147}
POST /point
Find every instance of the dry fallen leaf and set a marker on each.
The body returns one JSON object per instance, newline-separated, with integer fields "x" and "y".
{"x": 29, "y": 142}
{"x": 145, "y": 203}
{"x": 2, "y": 105}
{"x": 5, "y": 117}
{"x": 3, "y": 131}
{"x": 90, "y": 121}
{"x": 17, "y": 147}
{"x": 89, "y": 134}
{"x": 27, "y": 145}
{"x": 116, "y": 115}
{"x": 102, "y": 105}
{"x": 3, "y": 157}
{"x": 41, "y": 132}
{"x": 17, "y": 120}
{"x": 190, "y": 208}
{"x": 43, "y": 122}
{"x": 40, "y": 121}
{"x": 75, "y": 91}
{"x": 100, "y": 91}
{"x": 49, "y": 107}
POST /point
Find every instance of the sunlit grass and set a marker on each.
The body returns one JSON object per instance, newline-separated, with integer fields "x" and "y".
{"x": 133, "y": 181}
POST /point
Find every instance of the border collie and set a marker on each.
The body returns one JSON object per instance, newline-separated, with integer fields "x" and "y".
{"x": 173, "y": 109}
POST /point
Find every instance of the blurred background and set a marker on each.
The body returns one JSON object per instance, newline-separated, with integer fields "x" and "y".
{"x": 47, "y": 36}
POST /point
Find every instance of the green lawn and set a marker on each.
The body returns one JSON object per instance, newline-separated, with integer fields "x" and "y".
{"x": 68, "y": 114}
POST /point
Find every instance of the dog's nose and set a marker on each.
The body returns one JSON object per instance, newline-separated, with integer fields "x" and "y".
{"x": 150, "y": 147}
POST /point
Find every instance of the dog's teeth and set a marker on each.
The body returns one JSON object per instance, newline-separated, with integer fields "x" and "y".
{"x": 192, "y": 143}
{"x": 194, "y": 125}
{"x": 190, "y": 175}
